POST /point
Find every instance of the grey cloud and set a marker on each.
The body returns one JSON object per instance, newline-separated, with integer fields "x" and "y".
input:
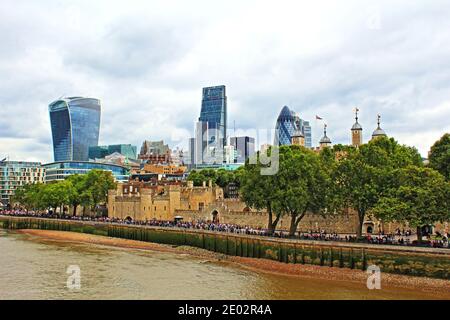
{"x": 129, "y": 48}
{"x": 148, "y": 66}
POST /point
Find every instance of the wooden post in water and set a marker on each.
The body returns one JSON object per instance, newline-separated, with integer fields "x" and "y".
{"x": 352, "y": 261}
{"x": 364, "y": 260}
{"x": 227, "y": 245}
{"x": 331, "y": 257}
{"x": 253, "y": 247}
{"x": 259, "y": 249}
{"x": 321, "y": 257}
{"x": 242, "y": 248}
{"x": 246, "y": 250}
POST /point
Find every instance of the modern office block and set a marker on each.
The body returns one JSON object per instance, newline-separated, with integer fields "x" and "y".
{"x": 75, "y": 124}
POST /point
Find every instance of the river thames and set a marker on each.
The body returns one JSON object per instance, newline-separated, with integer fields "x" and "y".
{"x": 33, "y": 268}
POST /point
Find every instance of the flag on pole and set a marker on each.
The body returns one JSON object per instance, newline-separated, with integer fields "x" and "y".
{"x": 318, "y": 118}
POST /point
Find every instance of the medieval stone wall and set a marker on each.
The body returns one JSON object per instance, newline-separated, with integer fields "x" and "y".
{"x": 207, "y": 203}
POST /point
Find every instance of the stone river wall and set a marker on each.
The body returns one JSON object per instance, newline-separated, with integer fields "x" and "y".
{"x": 412, "y": 261}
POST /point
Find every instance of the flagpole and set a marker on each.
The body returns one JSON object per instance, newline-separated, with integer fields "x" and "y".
{"x": 319, "y": 119}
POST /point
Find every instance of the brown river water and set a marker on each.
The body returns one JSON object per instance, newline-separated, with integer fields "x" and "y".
{"x": 34, "y": 268}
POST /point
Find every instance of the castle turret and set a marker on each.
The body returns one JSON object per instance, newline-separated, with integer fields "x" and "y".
{"x": 325, "y": 141}
{"x": 357, "y": 130}
{"x": 378, "y": 131}
{"x": 298, "y": 138}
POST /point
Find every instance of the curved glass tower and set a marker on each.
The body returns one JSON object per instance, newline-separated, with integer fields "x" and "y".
{"x": 287, "y": 123}
{"x": 75, "y": 124}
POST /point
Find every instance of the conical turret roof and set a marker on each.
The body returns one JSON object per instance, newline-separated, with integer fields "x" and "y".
{"x": 325, "y": 139}
{"x": 378, "y": 131}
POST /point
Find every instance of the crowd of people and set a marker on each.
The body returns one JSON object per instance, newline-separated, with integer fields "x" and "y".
{"x": 399, "y": 237}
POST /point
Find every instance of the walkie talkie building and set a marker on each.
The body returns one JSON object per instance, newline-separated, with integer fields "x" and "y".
{"x": 75, "y": 123}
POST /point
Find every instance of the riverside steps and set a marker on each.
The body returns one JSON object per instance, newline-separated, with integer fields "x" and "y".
{"x": 413, "y": 261}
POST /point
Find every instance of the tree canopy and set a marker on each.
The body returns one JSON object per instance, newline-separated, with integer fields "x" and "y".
{"x": 419, "y": 196}
{"x": 299, "y": 186}
{"x": 440, "y": 156}
{"x": 256, "y": 190}
{"x": 88, "y": 190}
{"x": 363, "y": 176}
{"x": 219, "y": 177}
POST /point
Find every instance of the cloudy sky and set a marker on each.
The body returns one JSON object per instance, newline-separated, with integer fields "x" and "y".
{"x": 148, "y": 60}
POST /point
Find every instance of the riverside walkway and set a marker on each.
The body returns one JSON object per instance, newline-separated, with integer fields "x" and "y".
{"x": 232, "y": 231}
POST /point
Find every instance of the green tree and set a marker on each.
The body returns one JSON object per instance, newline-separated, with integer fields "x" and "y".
{"x": 56, "y": 195}
{"x": 256, "y": 191}
{"x": 79, "y": 191}
{"x": 302, "y": 185}
{"x": 299, "y": 187}
{"x": 198, "y": 177}
{"x": 28, "y": 196}
{"x": 364, "y": 175}
{"x": 419, "y": 196}
{"x": 98, "y": 183}
{"x": 224, "y": 178}
{"x": 440, "y": 156}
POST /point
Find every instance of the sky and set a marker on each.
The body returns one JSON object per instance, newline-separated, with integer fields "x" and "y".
{"x": 147, "y": 61}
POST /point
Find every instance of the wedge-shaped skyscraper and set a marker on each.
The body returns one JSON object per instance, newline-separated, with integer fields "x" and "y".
{"x": 75, "y": 123}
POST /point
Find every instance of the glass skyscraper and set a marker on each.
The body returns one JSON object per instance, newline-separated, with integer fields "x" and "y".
{"x": 208, "y": 149}
{"x": 75, "y": 123}
{"x": 287, "y": 123}
{"x": 285, "y": 127}
{"x": 244, "y": 146}
{"x": 307, "y": 132}
{"x": 214, "y": 112}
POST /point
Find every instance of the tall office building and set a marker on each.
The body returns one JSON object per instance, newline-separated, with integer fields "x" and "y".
{"x": 75, "y": 124}
{"x": 190, "y": 159}
{"x": 210, "y": 138}
{"x": 208, "y": 149}
{"x": 214, "y": 112}
{"x": 288, "y": 123}
{"x": 285, "y": 127}
{"x": 230, "y": 154}
{"x": 307, "y": 132}
{"x": 245, "y": 148}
